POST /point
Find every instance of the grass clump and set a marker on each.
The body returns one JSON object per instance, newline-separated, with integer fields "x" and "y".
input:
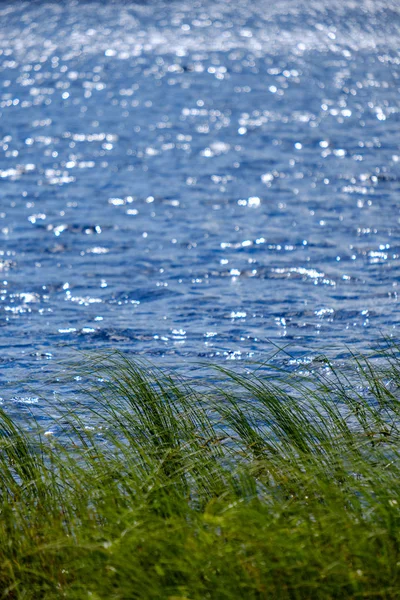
{"x": 275, "y": 486}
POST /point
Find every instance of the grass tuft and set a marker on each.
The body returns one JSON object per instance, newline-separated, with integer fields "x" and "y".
{"x": 275, "y": 485}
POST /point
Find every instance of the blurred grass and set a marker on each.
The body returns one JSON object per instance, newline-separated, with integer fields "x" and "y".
{"x": 275, "y": 485}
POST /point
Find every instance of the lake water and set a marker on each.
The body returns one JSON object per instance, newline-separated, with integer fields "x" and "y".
{"x": 194, "y": 180}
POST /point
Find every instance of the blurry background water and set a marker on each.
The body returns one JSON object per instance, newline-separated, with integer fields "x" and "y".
{"x": 195, "y": 179}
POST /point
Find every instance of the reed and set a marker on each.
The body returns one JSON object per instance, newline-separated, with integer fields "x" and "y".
{"x": 262, "y": 484}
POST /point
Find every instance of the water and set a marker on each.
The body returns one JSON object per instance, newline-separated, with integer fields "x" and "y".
{"x": 196, "y": 180}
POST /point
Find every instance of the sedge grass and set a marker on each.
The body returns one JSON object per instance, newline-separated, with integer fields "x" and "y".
{"x": 275, "y": 486}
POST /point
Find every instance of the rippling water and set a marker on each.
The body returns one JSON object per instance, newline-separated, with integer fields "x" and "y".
{"x": 195, "y": 179}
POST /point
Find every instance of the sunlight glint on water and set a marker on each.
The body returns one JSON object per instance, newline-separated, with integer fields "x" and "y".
{"x": 194, "y": 180}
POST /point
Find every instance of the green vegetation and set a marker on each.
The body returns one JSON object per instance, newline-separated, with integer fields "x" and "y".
{"x": 274, "y": 485}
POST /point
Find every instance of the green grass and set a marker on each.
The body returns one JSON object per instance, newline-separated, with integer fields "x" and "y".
{"x": 274, "y": 485}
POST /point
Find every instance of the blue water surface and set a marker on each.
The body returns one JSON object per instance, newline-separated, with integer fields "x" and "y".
{"x": 196, "y": 180}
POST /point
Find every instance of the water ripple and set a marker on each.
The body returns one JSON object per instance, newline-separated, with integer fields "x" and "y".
{"x": 197, "y": 179}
